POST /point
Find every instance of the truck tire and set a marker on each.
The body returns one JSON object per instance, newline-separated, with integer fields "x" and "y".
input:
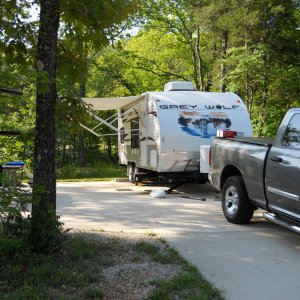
{"x": 236, "y": 205}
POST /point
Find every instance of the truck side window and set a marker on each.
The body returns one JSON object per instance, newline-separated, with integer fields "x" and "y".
{"x": 135, "y": 133}
{"x": 291, "y": 136}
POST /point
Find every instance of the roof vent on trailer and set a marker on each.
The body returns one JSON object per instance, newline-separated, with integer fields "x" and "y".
{"x": 179, "y": 86}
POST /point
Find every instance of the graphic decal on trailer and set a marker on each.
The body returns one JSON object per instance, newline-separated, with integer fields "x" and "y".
{"x": 205, "y": 126}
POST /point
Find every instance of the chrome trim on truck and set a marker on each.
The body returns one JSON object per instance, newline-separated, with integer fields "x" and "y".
{"x": 284, "y": 211}
{"x": 281, "y": 222}
{"x": 283, "y": 194}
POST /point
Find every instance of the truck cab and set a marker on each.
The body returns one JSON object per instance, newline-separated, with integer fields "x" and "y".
{"x": 283, "y": 168}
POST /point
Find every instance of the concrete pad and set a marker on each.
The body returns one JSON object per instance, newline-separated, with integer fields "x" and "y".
{"x": 255, "y": 261}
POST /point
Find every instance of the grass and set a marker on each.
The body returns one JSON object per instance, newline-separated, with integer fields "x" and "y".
{"x": 75, "y": 271}
{"x": 93, "y": 172}
{"x": 190, "y": 284}
{"x": 63, "y": 275}
{"x": 93, "y": 293}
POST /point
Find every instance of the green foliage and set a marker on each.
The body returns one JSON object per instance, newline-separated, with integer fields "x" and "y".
{"x": 14, "y": 209}
{"x": 17, "y": 223}
{"x": 177, "y": 18}
{"x": 16, "y": 113}
{"x": 93, "y": 171}
{"x": 157, "y": 254}
{"x": 147, "y": 248}
{"x": 17, "y": 31}
{"x": 13, "y": 247}
{"x": 39, "y": 276}
{"x": 190, "y": 285}
{"x": 15, "y": 220}
{"x": 73, "y": 111}
{"x": 82, "y": 248}
{"x": 93, "y": 294}
{"x": 46, "y": 230}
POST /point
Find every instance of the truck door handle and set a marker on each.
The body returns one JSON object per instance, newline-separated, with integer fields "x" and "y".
{"x": 276, "y": 159}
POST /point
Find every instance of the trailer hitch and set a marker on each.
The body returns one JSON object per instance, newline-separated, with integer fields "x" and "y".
{"x": 176, "y": 185}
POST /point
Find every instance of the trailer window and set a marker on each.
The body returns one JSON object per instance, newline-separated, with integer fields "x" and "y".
{"x": 291, "y": 136}
{"x": 135, "y": 133}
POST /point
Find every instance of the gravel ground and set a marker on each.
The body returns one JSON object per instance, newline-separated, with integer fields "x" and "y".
{"x": 126, "y": 272}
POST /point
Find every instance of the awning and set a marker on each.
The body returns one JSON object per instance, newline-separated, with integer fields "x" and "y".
{"x": 111, "y": 103}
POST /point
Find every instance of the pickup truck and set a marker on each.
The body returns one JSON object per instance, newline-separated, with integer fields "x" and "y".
{"x": 253, "y": 173}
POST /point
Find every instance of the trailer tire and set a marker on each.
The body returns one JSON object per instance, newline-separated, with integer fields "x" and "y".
{"x": 236, "y": 205}
{"x": 202, "y": 180}
{"x": 137, "y": 177}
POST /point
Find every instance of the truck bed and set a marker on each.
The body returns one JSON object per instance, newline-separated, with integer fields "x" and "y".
{"x": 255, "y": 140}
{"x": 244, "y": 156}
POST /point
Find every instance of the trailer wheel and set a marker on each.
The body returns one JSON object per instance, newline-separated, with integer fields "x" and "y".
{"x": 137, "y": 177}
{"x": 131, "y": 172}
{"x": 202, "y": 180}
{"x": 236, "y": 205}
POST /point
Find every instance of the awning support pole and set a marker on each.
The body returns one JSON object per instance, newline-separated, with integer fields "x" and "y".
{"x": 90, "y": 130}
{"x": 103, "y": 121}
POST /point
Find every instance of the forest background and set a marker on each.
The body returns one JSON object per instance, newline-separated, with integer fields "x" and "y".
{"x": 247, "y": 47}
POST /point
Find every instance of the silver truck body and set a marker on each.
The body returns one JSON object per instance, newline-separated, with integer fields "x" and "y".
{"x": 249, "y": 162}
{"x": 270, "y": 169}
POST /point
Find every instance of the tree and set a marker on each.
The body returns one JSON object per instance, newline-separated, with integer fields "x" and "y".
{"x": 263, "y": 56}
{"x": 96, "y": 16}
{"x": 43, "y": 225}
{"x": 177, "y": 17}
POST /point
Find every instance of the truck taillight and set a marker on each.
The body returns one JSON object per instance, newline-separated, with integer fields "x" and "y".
{"x": 226, "y": 133}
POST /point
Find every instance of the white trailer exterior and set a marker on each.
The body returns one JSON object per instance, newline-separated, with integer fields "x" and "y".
{"x": 160, "y": 133}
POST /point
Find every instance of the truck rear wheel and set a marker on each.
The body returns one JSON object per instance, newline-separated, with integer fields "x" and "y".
{"x": 235, "y": 201}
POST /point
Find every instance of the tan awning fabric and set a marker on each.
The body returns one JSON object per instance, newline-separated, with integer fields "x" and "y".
{"x": 111, "y": 103}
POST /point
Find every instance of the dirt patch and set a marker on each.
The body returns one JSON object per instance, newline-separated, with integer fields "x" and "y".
{"x": 128, "y": 272}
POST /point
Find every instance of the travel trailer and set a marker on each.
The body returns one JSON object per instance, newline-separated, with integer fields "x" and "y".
{"x": 167, "y": 134}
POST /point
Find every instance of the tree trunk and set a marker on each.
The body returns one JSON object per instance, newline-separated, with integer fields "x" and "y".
{"x": 63, "y": 155}
{"x": 44, "y": 223}
{"x": 223, "y": 57}
{"x": 74, "y": 148}
{"x": 195, "y": 72}
{"x": 109, "y": 148}
{"x": 82, "y": 94}
{"x": 200, "y": 63}
{"x": 81, "y": 150}
{"x": 265, "y": 95}
{"x": 262, "y": 109}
